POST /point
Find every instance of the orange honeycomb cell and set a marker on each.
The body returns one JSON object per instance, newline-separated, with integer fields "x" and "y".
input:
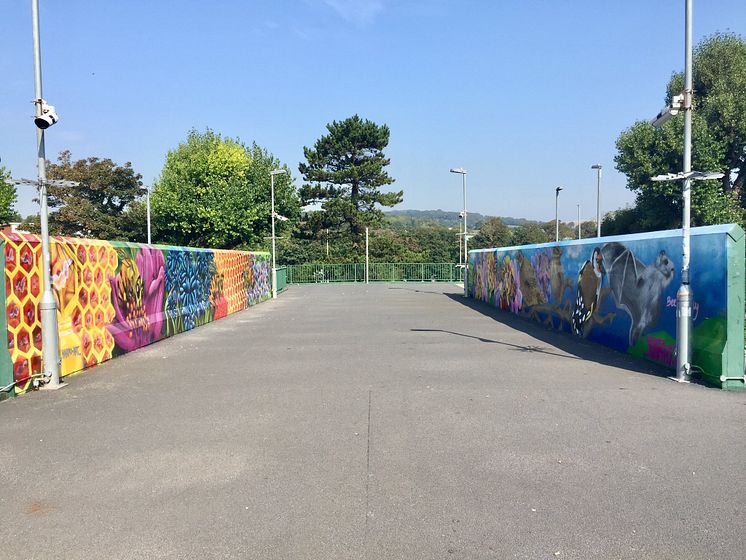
{"x": 23, "y": 341}
{"x": 29, "y": 313}
{"x": 35, "y": 285}
{"x": 27, "y": 258}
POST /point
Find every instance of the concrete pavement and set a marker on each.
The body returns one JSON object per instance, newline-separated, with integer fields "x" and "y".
{"x": 381, "y": 421}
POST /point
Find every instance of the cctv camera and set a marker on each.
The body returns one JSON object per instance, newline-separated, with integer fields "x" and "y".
{"x": 668, "y": 112}
{"x": 48, "y": 116}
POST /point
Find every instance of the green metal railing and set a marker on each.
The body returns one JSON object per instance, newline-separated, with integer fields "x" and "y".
{"x": 378, "y": 272}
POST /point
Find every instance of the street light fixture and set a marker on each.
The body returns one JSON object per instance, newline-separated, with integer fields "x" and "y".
{"x": 272, "y": 175}
{"x": 556, "y": 213}
{"x": 461, "y": 171}
{"x": 147, "y": 205}
{"x": 598, "y": 167}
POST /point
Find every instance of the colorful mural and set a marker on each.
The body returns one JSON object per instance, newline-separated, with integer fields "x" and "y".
{"x": 621, "y": 292}
{"x": 115, "y": 297}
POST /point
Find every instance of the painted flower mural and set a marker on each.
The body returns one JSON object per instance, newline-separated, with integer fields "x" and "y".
{"x": 188, "y": 283}
{"x": 116, "y": 297}
{"x": 137, "y": 295}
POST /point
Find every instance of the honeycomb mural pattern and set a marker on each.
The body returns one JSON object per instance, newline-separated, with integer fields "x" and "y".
{"x": 115, "y": 297}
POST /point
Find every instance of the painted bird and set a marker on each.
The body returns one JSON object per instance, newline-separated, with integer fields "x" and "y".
{"x": 589, "y": 288}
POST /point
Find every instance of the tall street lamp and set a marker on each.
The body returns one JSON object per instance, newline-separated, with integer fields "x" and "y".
{"x": 684, "y": 296}
{"x": 461, "y": 171}
{"x": 45, "y": 116}
{"x": 598, "y": 167}
{"x": 147, "y": 205}
{"x": 556, "y": 214}
{"x": 272, "y": 175}
{"x": 579, "y": 234}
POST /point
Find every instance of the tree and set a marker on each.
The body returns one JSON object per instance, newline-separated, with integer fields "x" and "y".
{"x": 620, "y": 222}
{"x": 492, "y": 233}
{"x": 94, "y": 207}
{"x": 566, "y": 231}
{"x": 719, "y": 144}
{"x": 344, "y": 172}
{"x": 589, "y": 229}
{"x": 215, "y": 192}
{"x": 8, "y": 198}
{"x": 528, "y": 234}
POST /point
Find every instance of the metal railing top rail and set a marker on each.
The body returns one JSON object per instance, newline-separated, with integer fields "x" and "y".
{"x": 377, "y": 272}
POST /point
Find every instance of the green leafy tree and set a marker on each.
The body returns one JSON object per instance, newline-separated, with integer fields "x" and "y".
{"x": 215, "y": 192}
{"x": 620, "y": 222}
{"x": 528, "y": 234}
{"x": 719, "y": 144}
{"x": 588, "y": 229}
{"x": 95, "y": 207}
{"x": 492, "y": 233}
{"x": 566, "y": 231}
{"x": 345, "y": 171}
{"x": 8, "y": 198}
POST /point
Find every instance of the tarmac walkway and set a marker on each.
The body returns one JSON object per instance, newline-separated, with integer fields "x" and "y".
{"x": 379, "y": 422}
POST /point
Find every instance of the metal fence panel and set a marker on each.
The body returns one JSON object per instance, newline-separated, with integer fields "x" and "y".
{"x": 378, "y": 272}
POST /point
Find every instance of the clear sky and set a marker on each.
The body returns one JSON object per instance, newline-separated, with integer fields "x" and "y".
{"x": 525, "y": 95}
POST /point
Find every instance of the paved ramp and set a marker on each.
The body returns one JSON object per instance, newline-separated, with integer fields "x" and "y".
{"x": 381, "y": 421}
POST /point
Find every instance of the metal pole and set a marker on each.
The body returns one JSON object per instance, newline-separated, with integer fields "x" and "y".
{"x": 684, "y": 295}
{"x": 556, "y": 215}
{"x": 327, "y": 243}
{"x": 460, "y": 247}
{"x": 147, "y": 204}
{"x": 579, "y": 234}
{"x": 47, "y": 305}
{"x": 274, "y": 264}
{"x": 466, "y": 241}
{"x": 598, "y": 200}
{"x": 367, "y": 263}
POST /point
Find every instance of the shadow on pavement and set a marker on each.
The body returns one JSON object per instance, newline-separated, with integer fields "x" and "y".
{"x": 520, "y": 348}
{"x": 416, "y": 290}
{"x": 576, "y": 347}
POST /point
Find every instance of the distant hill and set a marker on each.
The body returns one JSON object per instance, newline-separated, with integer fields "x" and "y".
{"x": 413, "y": 218}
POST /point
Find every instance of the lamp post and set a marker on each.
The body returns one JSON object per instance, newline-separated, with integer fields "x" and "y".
{"x": 47, "y": 305}
{"x": 461, "y": 171}
{"x": 147, "y": 206}
{"x": 274, "y": 263}
{"x": 684, "y": 296}
{"x": 556, "y": 214}
{"x": 598, "y": 167}
{"x": 579, "y": 234}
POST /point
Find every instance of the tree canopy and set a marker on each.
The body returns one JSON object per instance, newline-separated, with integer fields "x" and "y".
{"x": 95, "y": 207}
{"x": 718, "y": 144}
{"x": 345, "y": 171}
{"x": 492, "y": 233}
{"x": 8, "y": 197}
{"x": 215, "y": 192}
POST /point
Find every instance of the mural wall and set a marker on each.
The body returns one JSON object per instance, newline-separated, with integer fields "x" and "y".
{"x": 115, "y": 297}
{"x": 621, "y": 292}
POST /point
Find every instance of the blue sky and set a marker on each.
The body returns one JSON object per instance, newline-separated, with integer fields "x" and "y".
{"x": 525, "y": 95}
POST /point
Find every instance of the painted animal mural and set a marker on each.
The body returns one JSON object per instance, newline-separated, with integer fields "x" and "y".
{"x": 115, "y": 297}
{"x": 637, "y": 288}
{"x": 620, "y": 292}
{"x": 590, "y": 278}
